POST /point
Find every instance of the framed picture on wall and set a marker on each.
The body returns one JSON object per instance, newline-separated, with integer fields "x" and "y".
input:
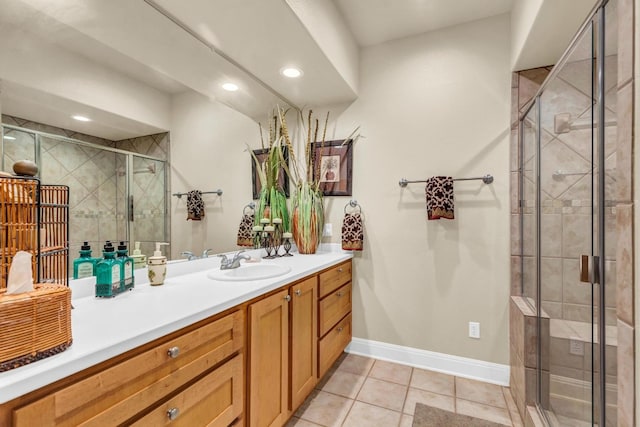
{"x": 283, "y": 181}
{"x": 333, "y": 164}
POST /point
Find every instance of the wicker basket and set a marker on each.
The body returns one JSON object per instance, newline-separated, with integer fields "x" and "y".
{"x": 34, "y": 325}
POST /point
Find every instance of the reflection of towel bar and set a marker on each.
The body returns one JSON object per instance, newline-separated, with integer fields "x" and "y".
{"x": 179, "y": 195}
{"x": 487, "y": 179}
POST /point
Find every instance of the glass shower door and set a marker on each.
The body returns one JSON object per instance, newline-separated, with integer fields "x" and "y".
{"x": 567, "y": 230}
{"x": 147, "y": 203}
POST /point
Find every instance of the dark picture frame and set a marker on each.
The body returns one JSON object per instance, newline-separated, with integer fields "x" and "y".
{"x": 333, "y": 166}
{"x": 283, "y": 180}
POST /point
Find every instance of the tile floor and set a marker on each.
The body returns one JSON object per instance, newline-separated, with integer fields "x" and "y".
{"x": 359, "y": 392}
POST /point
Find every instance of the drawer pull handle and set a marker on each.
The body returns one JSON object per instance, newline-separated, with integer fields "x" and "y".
{"x": 339, "y": 293}
{"x": 339, "y": 329}
{"x": 173, "y": 352}
{"x": 173, "y": 413}
{"x": 298, "y": 292}
{"x": 287, "y": 298}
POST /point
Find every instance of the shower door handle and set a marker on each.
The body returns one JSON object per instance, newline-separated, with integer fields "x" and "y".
{"x": 131, "y": 208}
{"x": 589, "y": 269}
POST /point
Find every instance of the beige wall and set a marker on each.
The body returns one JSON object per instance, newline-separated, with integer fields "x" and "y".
{"x": 435, "y": 104}
{"x": 207, "y": 152}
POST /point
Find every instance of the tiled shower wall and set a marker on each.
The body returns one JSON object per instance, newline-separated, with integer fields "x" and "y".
{"x": 97, "y": 183}
{"x": 564, "y": 216}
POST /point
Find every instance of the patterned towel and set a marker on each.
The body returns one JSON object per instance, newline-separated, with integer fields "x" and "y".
{"x": 245, "y": 231}
{"x": 195, "y": 205}
{"x": 439, "y": 193}
{"x": 352, "y": 232}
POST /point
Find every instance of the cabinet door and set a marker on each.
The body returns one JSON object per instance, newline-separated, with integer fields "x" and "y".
{"x": 268, "y": 355}
{"x": 304, "y": 355}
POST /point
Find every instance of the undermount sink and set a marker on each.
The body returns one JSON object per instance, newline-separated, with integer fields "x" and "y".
{"x": 249, "y": 272}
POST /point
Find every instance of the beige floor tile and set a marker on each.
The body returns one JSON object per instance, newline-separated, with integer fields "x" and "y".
{"x": 363, "y": 414}
{"x": 354, "y": 364}
{"x": 428, "y": 398}
{"x": 391, "y": 372}
{"x": 297, "y": 422}
{"x": 344, "y": 384}
{"x": 406, "y": 421}
{"x": 485, "y": 412}
{"x": 324, "y": 408}
{"x": 433, "y": 381}
{"x": 383, "y": 393}
{"x": 481, "y": 392}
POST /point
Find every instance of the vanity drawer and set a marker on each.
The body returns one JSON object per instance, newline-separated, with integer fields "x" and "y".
{"x": 118, "y": 393}
{"x": 215, "y": 400}
{"x": 333, "y": 308}
{"x": 332, "y": 345}
{"x": 335, "y": 277}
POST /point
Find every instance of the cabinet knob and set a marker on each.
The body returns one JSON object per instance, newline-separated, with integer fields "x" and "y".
{"x": 340, "y": 270}
{"x": 173, "y": 352}
{"x": 339, "y": 293}
{"x": 298, "y": 292}
{"x": 287, "y": 298}
{"x": 173, "y": 413}
{"x": 340, "y": 329}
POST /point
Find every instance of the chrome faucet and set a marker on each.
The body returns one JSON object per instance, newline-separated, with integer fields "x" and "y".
{"x": 205, "y": 253}
{"x": 227, "y": 264}
{"x": 189, "y": 255}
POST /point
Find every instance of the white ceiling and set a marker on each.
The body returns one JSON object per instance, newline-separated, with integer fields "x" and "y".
{"x": 378, "y": 21}
{"x": 172, "y": 46}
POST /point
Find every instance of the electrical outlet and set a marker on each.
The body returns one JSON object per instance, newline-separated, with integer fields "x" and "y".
{"x": 576, "y": 347}
{"x": 474, "y": 330}
{"x": 327, "y": 231}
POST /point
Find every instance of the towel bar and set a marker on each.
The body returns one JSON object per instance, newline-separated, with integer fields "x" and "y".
{"x": 487, "y": 179}
{"x": 218, "y": 192}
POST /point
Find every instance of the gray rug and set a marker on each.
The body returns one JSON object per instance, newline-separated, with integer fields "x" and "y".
{"x": 428, "y": 416}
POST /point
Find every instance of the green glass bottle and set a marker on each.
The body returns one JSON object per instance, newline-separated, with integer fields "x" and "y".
{"x": 126, "y": 272}
{"x": 108, "y": 273}
{"x": 85, "y": 264}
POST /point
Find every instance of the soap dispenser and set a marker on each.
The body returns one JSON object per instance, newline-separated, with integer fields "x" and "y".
{"x": 157, "y": 266}
{"x": 108, "y": 273}
{"x": 85, "y": 265}
{"x": 139, "y": 259}
{"x": 126, "y": 273}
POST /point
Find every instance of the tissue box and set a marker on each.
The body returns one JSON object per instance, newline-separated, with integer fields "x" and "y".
{"x": 34, "y": 325}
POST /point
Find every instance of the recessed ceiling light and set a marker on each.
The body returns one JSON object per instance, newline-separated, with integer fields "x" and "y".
{"x": 81, "y": 118}
{"x": 231, "y": 87}
{"x": 291, "y": 72}
{"x": 10, "y": 138}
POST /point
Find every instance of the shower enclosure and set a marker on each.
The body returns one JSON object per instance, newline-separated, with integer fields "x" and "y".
{"x": 568, "y": 227}
{"x": 115, "y": 194}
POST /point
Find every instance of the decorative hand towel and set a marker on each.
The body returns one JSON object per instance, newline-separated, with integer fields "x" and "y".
{"x": 245, "y": 231}
{"x": 439, "y": 193}
{"x": 195, "y": 205}
{"x": 352, "y": 232}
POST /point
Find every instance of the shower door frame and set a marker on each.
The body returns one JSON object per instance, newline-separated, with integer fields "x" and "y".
{"x": 129, "y": 155}
{"x": 596, "y": 19}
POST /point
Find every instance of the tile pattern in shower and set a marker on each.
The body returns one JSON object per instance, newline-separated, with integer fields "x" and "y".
{"x": 150, "y": 191}
{"x": 97, "y": 182}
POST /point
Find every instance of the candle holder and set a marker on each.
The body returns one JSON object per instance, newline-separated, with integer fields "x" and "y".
{"x": 287, "y": 246}
{"x": 277, "y": 238}
{"x": 265, "y": 243}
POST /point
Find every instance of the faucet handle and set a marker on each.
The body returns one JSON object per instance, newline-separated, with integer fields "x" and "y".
{"x": 205, "y": 253}
{"x": 187, "y": 254}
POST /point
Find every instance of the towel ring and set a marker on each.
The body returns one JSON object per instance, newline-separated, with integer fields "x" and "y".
{"x": 251, "y": 206}
{"x": 354, "y": 204}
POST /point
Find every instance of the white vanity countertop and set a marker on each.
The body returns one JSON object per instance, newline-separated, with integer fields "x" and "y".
{"x": 104, "y": 328}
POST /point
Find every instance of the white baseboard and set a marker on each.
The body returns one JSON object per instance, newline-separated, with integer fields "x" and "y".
{"x": 453, "y": 365}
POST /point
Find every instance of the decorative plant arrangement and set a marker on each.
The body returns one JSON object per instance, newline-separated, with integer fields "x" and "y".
{"x": 307, "y": 219}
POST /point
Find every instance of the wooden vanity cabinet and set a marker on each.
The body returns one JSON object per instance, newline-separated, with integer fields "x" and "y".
{"x": 154, "y": 381}
{"x": 334, "y": 313}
